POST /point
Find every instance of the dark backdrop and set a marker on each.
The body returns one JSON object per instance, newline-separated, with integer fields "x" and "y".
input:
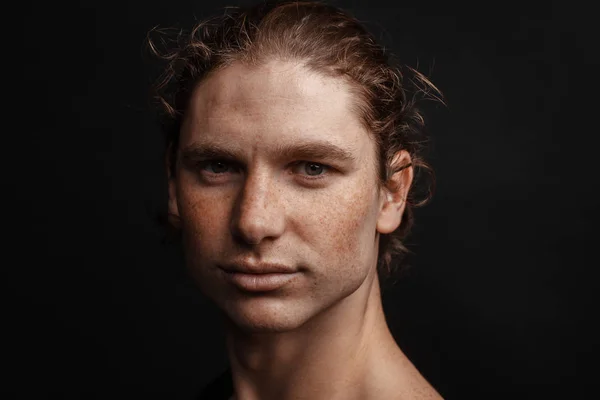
{"x": 498, "y": 304}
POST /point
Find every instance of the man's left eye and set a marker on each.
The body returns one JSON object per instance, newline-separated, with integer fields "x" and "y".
{"x": 314, "y": 169}
{"x": 311, "y": 169}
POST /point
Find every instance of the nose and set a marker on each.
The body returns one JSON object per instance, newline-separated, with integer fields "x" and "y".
{"x": 259, "y": 212}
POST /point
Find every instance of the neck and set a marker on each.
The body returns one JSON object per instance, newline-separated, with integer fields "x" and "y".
{"x": 335, "y": 355}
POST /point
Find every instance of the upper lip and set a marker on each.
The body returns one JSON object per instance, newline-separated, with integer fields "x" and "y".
{"x": 258, "y": 268}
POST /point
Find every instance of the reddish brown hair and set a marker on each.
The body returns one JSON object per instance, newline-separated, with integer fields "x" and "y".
{"x": 326, "y": 40}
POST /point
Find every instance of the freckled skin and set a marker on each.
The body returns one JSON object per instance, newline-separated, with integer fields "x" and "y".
{"x": 326, "y": 330}
{"x": 328, "y": 229}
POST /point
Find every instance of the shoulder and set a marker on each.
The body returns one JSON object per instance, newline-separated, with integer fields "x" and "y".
{"x": 399, "y": 379}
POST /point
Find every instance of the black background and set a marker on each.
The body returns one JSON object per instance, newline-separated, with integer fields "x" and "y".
{"x": 499, "y": 302}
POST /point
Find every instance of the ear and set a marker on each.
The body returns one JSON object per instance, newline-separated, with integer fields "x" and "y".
{"x": 394, "y": 194}
{"x": 173, "y": 209}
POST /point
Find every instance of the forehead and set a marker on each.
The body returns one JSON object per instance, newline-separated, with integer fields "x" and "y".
{"x": 275, "y": 103}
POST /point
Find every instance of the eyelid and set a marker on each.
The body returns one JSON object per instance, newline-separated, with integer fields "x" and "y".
{"x": 230, "y": 163}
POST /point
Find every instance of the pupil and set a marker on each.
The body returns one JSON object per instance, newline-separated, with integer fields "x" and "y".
{"x": 219, "y": 167}
{"x": 314, "y": 169}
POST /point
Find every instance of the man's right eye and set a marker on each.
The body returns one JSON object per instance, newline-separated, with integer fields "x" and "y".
{"x": 215, "y": 166}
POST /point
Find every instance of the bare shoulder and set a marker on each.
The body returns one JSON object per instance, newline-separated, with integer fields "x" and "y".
{"x": 410, "y": 386}
{"x": 399, "y": 379}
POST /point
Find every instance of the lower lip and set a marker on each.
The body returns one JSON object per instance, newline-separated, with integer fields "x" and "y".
{"x": 260, "y": 282}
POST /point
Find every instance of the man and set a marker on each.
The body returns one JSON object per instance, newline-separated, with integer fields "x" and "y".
{"x": 290, "y": 157}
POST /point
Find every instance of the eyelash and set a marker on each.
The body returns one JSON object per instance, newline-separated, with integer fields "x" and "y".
{"x": 327, "y": 169}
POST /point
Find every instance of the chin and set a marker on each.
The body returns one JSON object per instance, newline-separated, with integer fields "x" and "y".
{"x": 266, "y": 315}
{"x": 263, "y": 326}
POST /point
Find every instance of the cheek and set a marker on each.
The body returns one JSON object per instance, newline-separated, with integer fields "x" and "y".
{"x": 344, "y": 230}
{"x": 203, "y": 218}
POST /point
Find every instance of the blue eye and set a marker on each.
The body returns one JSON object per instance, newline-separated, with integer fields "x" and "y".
{"x": 314, "y": 169}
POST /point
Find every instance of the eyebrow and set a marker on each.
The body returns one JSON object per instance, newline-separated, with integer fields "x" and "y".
{"x": 315, "y": 150}
{"x": 310, "y": 151}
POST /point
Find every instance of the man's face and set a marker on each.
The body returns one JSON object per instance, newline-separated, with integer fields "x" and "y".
{"x": 253, "y": 186}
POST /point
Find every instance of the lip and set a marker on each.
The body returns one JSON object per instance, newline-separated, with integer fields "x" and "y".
{"x": 260, "y": 282}
{"x": 258, "y": 268}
